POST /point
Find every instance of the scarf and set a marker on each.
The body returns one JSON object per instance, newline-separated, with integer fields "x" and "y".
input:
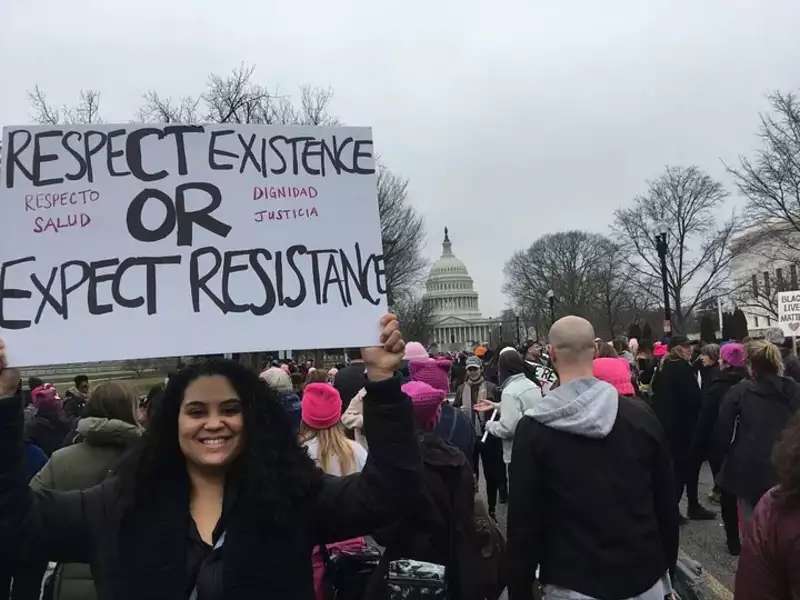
{"x": 468, "y": 404}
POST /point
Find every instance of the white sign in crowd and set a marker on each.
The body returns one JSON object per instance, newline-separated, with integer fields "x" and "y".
{"x": 789, "y": 313}
{"x": 132, "y": 241}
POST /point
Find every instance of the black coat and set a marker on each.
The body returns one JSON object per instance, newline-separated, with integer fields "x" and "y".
{"x": 446, "y": 505}
{"x": 757, "y": 411}
{"x": 599, "y": 516}
{"x": 677, "y": 401}
{"x": 49, "y": 430}
{"x": 145, "y": 556}
{"x": 713, "y": 393}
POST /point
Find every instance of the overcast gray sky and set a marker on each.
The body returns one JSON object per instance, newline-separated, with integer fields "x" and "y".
{"x": 511, "y": 119}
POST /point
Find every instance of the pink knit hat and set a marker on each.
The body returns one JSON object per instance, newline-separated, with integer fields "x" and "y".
{"x": 415, "y": 351}
{"x": 733, "y": 354}
{"x": 615, "y": 371}
{"x": 433, "y": 371}
{"x": 427, "y": 402}
{"x": 321, "y": 406}
{"x": 659, "y": 350}
{"x": 45, "y": 397}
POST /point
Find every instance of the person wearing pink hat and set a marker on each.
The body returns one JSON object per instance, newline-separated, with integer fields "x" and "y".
{"x": 50, "y": 425}
{"x": 322, "y": 435}
{"x": 732, "y": 359}
{"x": 445, "y": 534}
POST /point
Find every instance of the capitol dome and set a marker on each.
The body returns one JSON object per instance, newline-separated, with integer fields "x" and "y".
{"x": 449, "y": 287}
{"x": 451, "y": 294}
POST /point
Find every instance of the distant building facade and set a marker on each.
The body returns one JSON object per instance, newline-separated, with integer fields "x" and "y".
{"x": 449, "y": 290}
{"x": 762, "y": 267}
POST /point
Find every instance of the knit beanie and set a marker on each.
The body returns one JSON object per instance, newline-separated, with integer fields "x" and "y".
{"x": 427, "y": 403}
{"x": 322, "y": 406}
{"x": 633, "y": 346}
{"x": 733, "y": 354}
{"x": 415, "y": 351}
{"x": 615, "y": 371}
{"x": 659, "y": 350}
{"x": 45, "y": 398}
{"x": 433, "y": 371}
{"x": 277, "y": 379}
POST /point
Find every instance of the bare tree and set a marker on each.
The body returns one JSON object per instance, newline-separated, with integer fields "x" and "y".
{"x": 86, "y": 111}
{"x": 238, "y": 98}
{"x": 166, "y": 110}
{"x": 416, "y": 317}
{"x": 682, "y": 200}
{"x": 771, "y": 180}
{"x": 403, "y": 233}
{"x": 573, "y": 265}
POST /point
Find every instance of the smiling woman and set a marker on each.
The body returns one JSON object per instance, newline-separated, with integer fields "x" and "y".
{"x": 219, "y": 501}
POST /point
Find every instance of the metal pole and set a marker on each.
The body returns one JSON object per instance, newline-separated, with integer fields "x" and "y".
{"x": 661, "y": 246}
{"x": 719, "y": 315}
{"x": 519, "y": 342}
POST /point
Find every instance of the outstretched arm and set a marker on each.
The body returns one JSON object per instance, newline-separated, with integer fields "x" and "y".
{"x": 390, "y": 481}
{"x": 33, "y": 525}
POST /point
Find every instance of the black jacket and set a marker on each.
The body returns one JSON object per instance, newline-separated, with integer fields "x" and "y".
{"x": 145, "y": 556}
{"x": 713, "y": 393}
{"x": 677, "y": 402}
{"x": 757, "y": 411}
{"x": 598, "y": 516}
{"x": 349, "y": 382}
{"x": 49, "y": 430}
{"x": 442, "y": 530}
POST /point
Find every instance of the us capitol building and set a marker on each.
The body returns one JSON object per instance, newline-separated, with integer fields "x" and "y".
{"x": 457, "y": 321}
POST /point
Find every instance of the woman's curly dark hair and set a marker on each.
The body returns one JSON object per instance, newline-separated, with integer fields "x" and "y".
{"x": 273, "y": 472}
{"x": 786, "y": 458}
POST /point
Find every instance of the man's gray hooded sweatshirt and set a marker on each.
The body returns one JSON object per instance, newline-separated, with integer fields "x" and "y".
{"x": 592, "y": 499}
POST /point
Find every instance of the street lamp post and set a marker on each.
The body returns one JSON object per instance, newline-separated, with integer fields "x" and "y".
{"x": 551, "y": 298}
{"x": 661, "y": 248}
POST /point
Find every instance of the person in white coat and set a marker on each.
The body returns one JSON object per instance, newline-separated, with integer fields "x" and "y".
{"x": 519, "y": 394}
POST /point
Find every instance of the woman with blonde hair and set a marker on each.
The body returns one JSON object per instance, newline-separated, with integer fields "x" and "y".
{"x": 322, "y": 435}
{"x": 752, "y": 416}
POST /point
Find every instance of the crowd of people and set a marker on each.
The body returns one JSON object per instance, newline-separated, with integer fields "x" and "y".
{"x": 362, "y": 480}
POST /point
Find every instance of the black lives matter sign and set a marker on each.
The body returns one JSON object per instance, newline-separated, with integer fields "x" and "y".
{"x": 130, "y": 241}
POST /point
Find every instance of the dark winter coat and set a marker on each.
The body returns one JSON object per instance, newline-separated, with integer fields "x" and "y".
{"x": 713, "y": 393}
{"x": 349, "y": 382}
{"x": 598, "y": 515}
{"x": 454, "y": 428}
{"x": 144, "y": 555}
{"x": 708, "y": 375}
{"x": 769, "y": 566}
{"x": 48, "y": 430}
{"x": 447, "y": 501}
{"x": 753, "y": 415}
{"x": 677, "y": 401}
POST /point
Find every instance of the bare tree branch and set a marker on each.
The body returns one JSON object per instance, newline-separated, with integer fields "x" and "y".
{"x": 698, "y": 256}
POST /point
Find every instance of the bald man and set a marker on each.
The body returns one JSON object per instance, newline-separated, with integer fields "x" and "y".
{"x": 592, "y": 501}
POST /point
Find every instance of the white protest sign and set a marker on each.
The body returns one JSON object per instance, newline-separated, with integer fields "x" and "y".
{"x": 789, "y": 313}
{"x": 133, "y": 241}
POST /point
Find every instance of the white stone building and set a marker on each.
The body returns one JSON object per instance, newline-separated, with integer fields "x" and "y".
{"x": 457, "y": 321}
{"x": 760, "y": 268}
